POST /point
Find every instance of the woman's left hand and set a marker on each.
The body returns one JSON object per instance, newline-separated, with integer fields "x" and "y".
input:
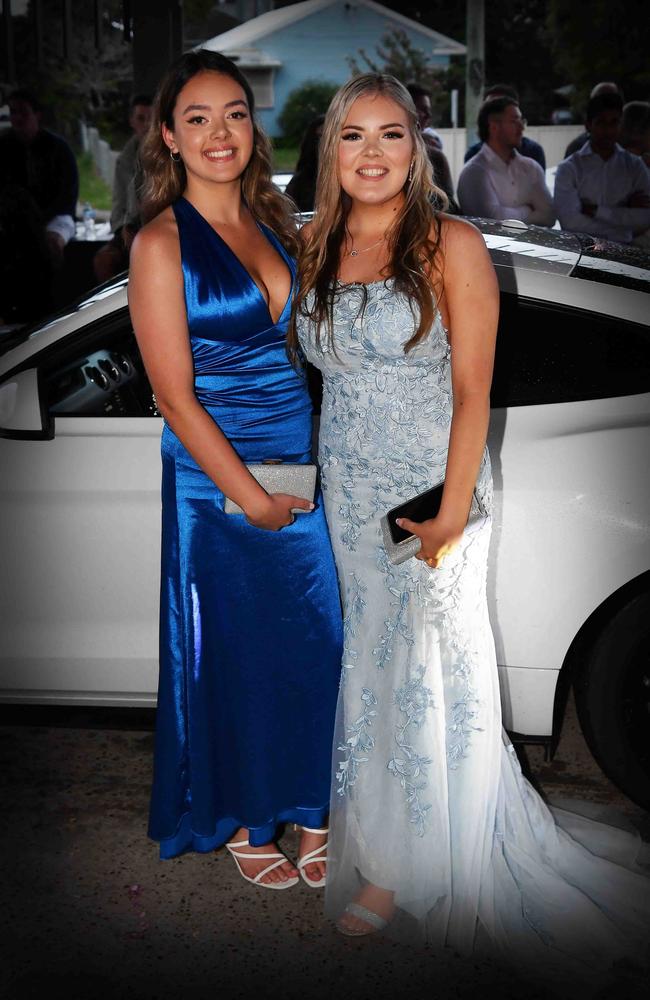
{"x": 438, "y": 539}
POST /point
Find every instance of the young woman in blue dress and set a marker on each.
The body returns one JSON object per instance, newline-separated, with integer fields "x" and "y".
{"x": 250, "y": 637}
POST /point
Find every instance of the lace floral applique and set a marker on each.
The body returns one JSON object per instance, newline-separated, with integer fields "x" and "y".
{"x": 438, "y": 591}
{"x": 400, "y": 587}
{"x": 367, "y": 426}
{"x": 410, "y": 768}
{"x": 395, "y": 626}
{"x": 465, "y": 707}
{"x": 356, "y": 605}
{"x": 460, "y": 727}
{"x": 358, "y": 744}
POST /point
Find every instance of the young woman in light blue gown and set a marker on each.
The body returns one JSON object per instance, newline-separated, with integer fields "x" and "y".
{"x": 250, "y": 613}
{"x": 435, "y": 835}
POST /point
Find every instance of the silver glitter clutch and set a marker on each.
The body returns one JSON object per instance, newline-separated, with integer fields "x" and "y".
{"x": 281, "y": 477}
{"x": 401, "y": 546}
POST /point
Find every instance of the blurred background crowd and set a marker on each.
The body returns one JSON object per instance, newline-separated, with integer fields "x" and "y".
{"x": 520, "y": 126}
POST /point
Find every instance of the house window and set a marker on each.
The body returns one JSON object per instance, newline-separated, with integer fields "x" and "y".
{"x": 261, "y": 81}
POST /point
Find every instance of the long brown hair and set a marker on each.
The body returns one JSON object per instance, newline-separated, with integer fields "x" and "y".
{"x": 412, "y": 252}
{"x": 165, "y": 180}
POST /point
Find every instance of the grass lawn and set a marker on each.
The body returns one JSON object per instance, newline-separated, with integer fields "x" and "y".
{"x": 94, "y": 190}
{"x": 91, "y": 186}
{"x": 284, "y": 160}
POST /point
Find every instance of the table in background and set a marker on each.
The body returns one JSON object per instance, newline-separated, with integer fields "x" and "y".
{"x": 77, "y": 276}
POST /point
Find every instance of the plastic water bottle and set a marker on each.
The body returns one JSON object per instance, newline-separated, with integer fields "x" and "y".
{"x": 88, "y": 216}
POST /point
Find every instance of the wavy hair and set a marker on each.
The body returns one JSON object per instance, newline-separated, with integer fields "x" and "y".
{"x": 165, "y": 180}
{"x": 412, "y": 252}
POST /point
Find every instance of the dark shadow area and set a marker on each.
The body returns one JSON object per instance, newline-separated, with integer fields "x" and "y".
{"x": 79, "y": 717}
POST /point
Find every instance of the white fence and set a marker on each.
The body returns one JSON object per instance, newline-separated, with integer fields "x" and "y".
{"x": 103, "y": 156}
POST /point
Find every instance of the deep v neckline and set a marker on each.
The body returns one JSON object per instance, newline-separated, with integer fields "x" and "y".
{"x": 277, "y": 246}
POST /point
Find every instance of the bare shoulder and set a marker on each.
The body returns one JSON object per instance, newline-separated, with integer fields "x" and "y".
{"x": 465, "y": 265}
{"x": 458, "y": 237}
{"x": 157, "y": 241}
{"x": 305, "y": 231}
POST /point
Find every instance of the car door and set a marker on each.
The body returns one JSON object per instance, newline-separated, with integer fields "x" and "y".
{"x": 80, "y": 528}
{"x": 569, "y": 440}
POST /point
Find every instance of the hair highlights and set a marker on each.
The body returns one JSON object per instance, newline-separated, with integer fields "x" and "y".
{"x": 165, "y": 179}
{"x": 412, "y": 251}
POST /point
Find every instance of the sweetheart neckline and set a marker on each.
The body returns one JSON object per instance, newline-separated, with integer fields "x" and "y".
{"x": 382, "y": 281}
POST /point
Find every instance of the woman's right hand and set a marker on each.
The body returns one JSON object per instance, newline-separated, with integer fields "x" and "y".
{"x": 276, "y": 511}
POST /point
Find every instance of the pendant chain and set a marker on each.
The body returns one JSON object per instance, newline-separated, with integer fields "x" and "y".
{"x": 355, "y": 253}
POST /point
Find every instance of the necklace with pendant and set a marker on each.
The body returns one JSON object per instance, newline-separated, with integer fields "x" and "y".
{"x": 355, "y": 253}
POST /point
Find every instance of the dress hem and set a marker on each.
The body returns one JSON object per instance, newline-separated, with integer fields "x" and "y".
{"x": 186, "y": 839}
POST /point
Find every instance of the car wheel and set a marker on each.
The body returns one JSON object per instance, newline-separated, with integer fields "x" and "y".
{"x": 612, "y": 689}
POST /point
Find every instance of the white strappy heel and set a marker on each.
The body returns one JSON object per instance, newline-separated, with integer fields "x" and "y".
{"x": 281, "y": 858}
{"x": 310, "y": 857}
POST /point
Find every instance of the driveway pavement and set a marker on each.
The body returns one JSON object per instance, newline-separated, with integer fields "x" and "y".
{"x": 91, "y": 913}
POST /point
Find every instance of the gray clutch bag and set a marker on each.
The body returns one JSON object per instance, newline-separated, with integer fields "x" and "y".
{"x": 281, "y": 477}
{"x": 401, "y": 546}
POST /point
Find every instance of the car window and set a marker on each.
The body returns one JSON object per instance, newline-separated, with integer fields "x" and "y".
{"x": 552, "y": 354}
{"x": 102, "y": 376}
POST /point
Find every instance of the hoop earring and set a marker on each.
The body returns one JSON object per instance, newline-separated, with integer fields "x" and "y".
{"x": 175, "y": 159}
{"x": 410, "y": 176}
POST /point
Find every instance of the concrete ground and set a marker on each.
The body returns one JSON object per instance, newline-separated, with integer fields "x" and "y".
{"x": 91, "y": 913}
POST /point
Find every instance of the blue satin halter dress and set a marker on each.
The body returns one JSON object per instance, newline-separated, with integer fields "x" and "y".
{"x": 250, "y": 633}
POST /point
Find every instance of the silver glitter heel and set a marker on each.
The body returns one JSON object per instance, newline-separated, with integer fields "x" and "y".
{"x": 376, "y": 922}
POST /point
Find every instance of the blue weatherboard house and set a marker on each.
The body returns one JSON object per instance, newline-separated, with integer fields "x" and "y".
{"x": 280, "y": 50}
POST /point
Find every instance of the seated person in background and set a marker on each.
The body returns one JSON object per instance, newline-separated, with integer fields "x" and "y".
{"x": 433, "y": 142}
{"x": 602, "y": 189}
{"x": 606, "y": 87}
{"x": 635, "y": 130}
{"x": 499, "y": 183}
{"x": 43, "y": 164}
{"x": 528, "y": 147}
{"x": 302, "y": 186}
{"x": 422, "y": 100}
{"x": 125, "y": 203}
{"x": 25, "y": 260}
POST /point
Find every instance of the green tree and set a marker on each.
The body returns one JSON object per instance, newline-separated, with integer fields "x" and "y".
{"x": 447, "y": 18}
{"x": 517, "y": 45}
{"x": 518, "y": 52}
{"x": 304, "y": 103}
{"x": 396, "y": 54}
{"x": 607, "y": 42}
{"x": 89, "y": 84}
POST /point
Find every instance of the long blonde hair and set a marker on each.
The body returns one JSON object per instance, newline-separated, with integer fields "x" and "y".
{"x": 412, "y": 251}
{"x": 165, "y": 180}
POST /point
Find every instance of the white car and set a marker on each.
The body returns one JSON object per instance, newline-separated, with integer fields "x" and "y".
{"x": 569, "y": 578}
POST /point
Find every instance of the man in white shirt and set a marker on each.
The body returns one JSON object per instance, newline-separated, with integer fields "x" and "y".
{"x": 500, "y": 183}
{"x": 602, "y": 189}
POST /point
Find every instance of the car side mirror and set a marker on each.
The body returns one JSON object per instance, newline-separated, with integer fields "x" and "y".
{"x": 22, "y": 414}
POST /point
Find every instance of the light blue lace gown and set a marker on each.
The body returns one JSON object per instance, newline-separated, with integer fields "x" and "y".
{"x": 428, "y": 799}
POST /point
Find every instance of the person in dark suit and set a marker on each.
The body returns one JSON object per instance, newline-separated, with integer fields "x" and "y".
{"x": 42, "y": 163}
